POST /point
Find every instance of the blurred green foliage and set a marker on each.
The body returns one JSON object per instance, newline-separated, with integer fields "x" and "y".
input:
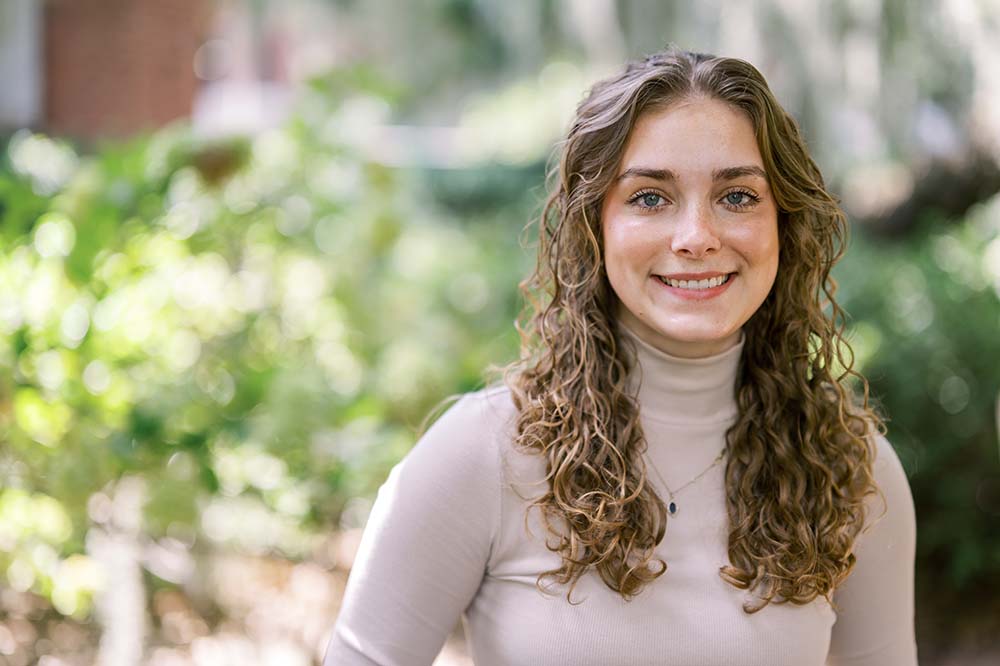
{"x": 926, "y": 328}
{"x": 257, "y": 327}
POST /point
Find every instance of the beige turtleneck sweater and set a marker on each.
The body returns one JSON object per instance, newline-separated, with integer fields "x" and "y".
{"x": 446, "y": 540}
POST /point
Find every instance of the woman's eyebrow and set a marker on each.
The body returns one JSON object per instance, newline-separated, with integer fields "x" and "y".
{"x": 732, "y": 173}
{"x": 729, "y": 173}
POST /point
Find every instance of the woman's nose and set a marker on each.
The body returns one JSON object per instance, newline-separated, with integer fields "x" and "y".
{"x": 694, "y": 232}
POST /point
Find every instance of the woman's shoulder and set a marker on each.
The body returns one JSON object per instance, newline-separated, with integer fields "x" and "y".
{"x": 888, "y": 467}
{"x": 471, "y": 425}
{"x": 891, "y": 478}
{"x": 489, "y": 406}
{"x": 457, "y": 456}
{"x": 482, "y": 427}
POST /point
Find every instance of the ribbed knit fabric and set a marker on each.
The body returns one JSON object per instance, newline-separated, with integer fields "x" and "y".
{"x": 446, "y": 540}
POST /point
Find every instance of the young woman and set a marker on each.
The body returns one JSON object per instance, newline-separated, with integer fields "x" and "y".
{"x": 679, "y": 470}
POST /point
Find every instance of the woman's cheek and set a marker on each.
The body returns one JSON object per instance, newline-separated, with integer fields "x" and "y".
{"x": 642, "y": 248}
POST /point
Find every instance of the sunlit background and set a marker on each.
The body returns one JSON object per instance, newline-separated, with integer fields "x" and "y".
{"x": 246, "y": 245}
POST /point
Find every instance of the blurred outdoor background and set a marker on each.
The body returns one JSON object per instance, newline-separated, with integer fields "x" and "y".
{"x": 246, "y": 245}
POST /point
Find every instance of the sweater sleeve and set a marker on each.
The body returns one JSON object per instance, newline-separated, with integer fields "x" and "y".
{"x": 425, "y": 547}
{"x": 874, "y": 624}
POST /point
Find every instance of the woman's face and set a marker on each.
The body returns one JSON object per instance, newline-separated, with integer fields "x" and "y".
{"x": 690, "y": 205}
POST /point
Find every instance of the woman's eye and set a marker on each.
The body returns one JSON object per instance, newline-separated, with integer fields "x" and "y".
{"x": 740, "y": 199}
{"x": 647, "y": 200}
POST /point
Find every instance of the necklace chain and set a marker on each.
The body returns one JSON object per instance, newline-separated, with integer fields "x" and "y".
{"x": 673, "y": 505}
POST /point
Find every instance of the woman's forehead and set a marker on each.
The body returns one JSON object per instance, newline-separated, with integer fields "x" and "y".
{"x": 705, "y": 138}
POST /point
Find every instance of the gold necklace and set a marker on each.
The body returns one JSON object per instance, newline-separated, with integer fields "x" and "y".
{"x": 672, "y": 507}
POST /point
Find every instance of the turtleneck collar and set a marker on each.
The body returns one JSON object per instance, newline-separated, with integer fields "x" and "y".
{"x": 684, "y": 390}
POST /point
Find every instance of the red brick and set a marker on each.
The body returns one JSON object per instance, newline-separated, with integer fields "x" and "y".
{"x": 117, "y": 67}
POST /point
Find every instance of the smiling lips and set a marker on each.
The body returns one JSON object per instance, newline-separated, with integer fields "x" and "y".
{"x": 696, "y": 286}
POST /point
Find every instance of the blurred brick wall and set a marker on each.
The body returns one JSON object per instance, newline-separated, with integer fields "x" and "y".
{"x": 116, "y": 67}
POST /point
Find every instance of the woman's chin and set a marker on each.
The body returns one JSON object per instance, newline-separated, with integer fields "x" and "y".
{"x": 692, "y": 341}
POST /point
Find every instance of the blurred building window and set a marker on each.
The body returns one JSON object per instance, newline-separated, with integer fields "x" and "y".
{"x": 20, "y": 63}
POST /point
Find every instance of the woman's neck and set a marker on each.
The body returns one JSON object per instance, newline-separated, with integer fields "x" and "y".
{"x": 677, "y": 389}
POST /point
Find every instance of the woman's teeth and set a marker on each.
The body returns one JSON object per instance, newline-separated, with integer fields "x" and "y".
{"x": 696, "y": 284}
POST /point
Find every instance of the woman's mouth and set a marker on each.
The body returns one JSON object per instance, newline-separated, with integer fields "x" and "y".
{"x": 696, "y": 289}
{"x": 697, "y": 284}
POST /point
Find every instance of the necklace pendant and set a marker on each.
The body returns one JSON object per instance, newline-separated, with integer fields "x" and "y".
{"x": 672, "y": 508}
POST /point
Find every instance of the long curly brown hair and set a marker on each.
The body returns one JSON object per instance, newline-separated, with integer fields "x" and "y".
{"x": 800, "y": 454}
